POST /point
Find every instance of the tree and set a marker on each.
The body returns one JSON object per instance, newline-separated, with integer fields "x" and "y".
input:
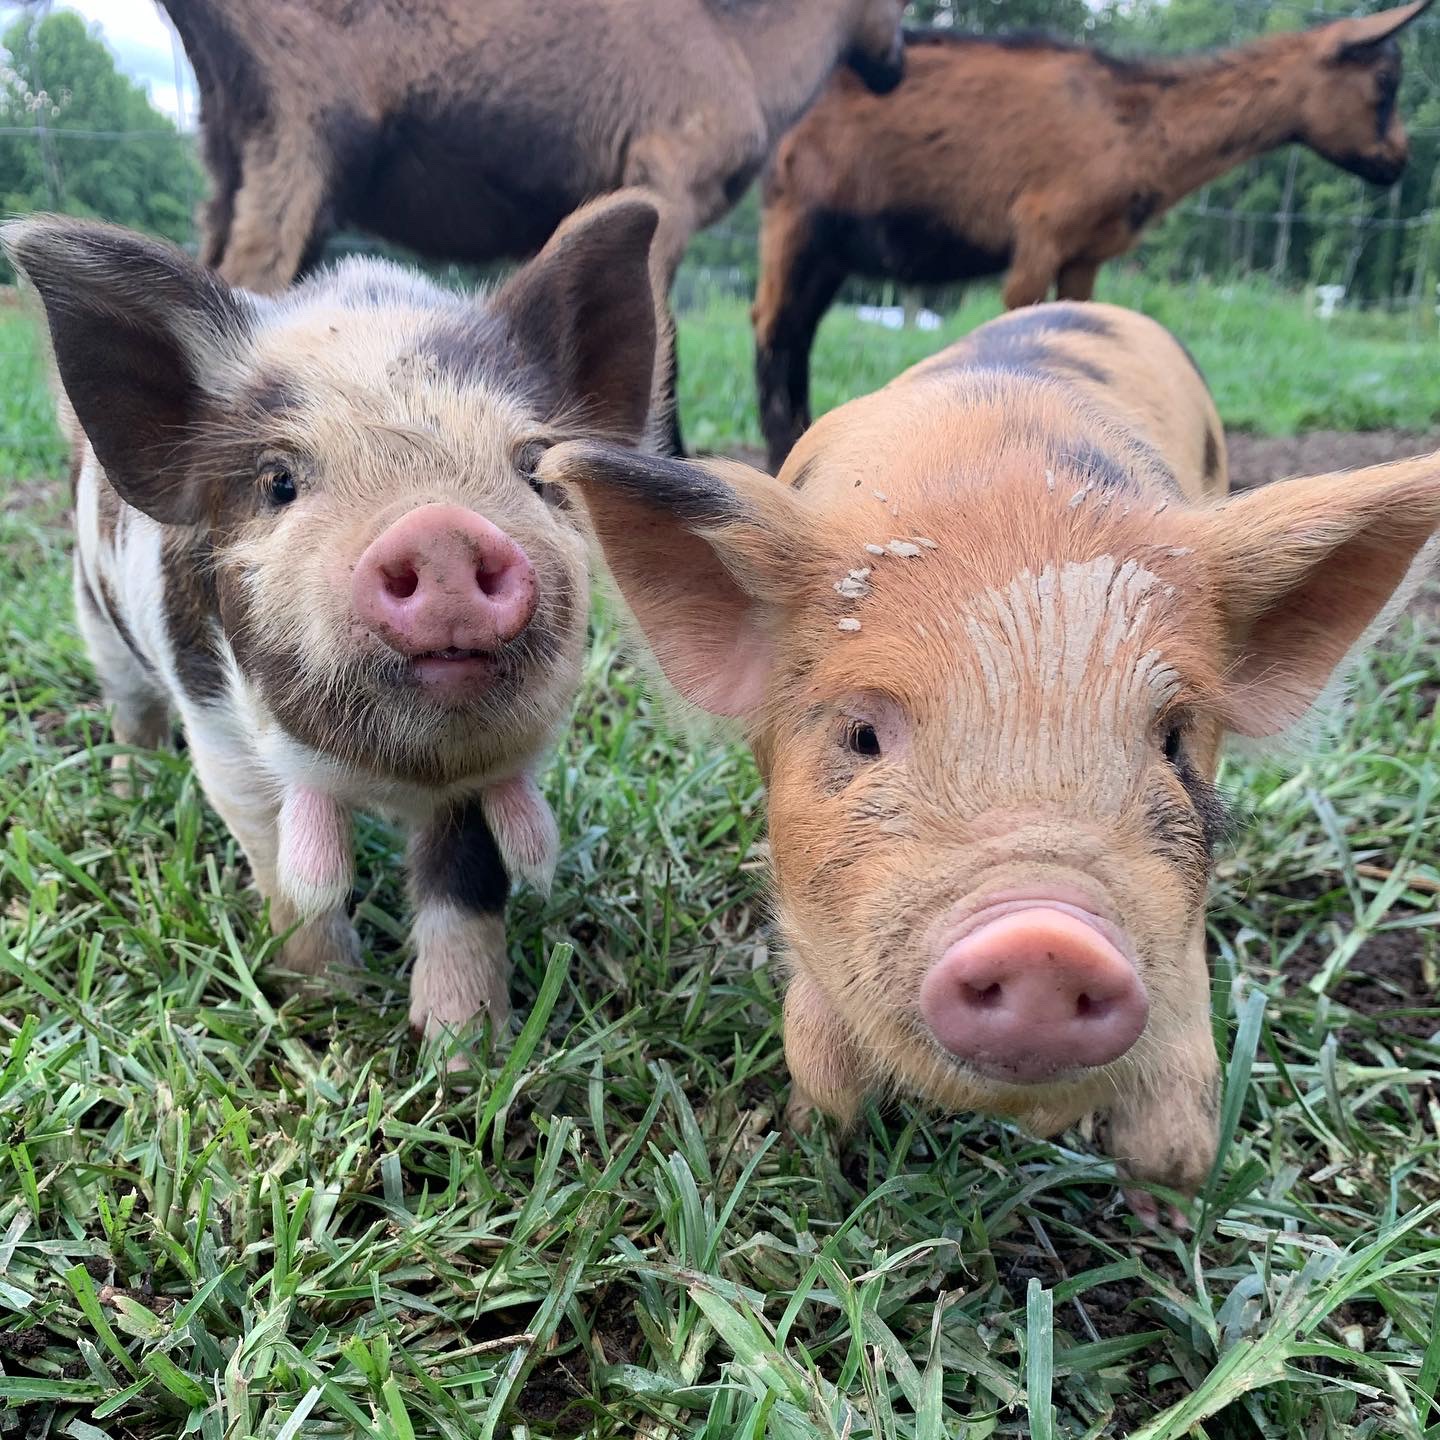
{"x": 92, "y": 143}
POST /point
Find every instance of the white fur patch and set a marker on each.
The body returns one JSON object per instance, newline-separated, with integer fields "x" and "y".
{"x": 524, "y": 828}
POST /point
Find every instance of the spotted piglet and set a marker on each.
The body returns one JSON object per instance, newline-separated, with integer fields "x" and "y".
{"x": 312, "y": 526}
{"x": 986, "y": 636}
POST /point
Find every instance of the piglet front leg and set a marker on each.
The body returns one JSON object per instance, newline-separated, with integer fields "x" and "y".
{"x": 826, "y": 1070}
{"x": 314, "y": 870}
{"x": 523, "y": 825}
{"x": 316, "y": 864}
{"x": 459, "y": 886}
{"x": 1167, "y": 1132}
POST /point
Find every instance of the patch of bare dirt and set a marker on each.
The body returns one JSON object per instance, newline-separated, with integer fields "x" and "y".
{"x": 1258, "y": 459}
{"x": 560, "y": 1392}
{"x": 1385, "y": 977}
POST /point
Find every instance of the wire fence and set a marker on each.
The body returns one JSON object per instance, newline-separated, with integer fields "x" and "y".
{"x": 1215, "y": 235}
{"x": 736, "y": 234}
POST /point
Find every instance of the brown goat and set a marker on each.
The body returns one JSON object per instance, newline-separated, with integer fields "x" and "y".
{"x": 1041, "y": 158}
{"x": 468, "y": 132}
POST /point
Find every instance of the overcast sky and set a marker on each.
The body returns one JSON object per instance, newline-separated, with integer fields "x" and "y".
{"x": 139, "y": 37}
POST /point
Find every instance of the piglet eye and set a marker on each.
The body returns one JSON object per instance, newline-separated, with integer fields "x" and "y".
{"x": 528, "y": 458}
{"x": 861, "y": 738}
{"x": 278, "y": 484}
{"x": 1174, "y": 746}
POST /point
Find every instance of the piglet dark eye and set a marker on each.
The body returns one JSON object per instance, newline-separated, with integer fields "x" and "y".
{"x": 278, "y": 484}
{"x": 1174, "y": 746}
{"x": 528, "y": 458}
{"x": 861, "y": 738}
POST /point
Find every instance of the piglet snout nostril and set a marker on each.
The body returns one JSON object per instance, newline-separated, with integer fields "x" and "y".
{"x": 1034, "y": 992}
{"x": 443, "y": 579}
{"x": 401, "y": 583}
{"x": 986, "y": 998}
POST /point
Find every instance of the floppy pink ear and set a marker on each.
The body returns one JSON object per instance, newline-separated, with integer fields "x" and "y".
{"x": 1305, "y": 569}
{"x": 701, "y": 556}
{"x": 1351, "y": 36}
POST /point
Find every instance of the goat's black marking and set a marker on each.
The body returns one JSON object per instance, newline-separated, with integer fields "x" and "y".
{"x": 1141, "y": 208}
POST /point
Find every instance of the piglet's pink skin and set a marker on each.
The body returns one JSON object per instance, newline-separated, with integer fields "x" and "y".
{"x": 524, "y": 828}
{"x": 316, "y": 867}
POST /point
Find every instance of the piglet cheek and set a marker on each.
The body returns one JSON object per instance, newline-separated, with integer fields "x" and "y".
{"x": 316, "y": 851}
{"x": 823, "y": 1057}
{"x": 524, "y": 828}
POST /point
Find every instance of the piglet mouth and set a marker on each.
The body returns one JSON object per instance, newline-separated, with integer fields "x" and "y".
{"x": 454, "y": 653}
{"x": 455, "y": 674}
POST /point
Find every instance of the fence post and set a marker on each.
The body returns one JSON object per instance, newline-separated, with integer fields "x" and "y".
{"x": 48, "y": 163}
{"x": 1287, "y": 201}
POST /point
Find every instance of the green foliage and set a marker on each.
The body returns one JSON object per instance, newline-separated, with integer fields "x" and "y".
{"x": 93, "y": 143}
{"x": 1274, "y": 367}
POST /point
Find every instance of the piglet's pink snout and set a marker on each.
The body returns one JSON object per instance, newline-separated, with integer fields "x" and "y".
{"x": 1034, "y": 992}
{"x": 444, "y": 578}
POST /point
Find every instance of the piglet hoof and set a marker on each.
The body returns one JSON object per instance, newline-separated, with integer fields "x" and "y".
{"x": 319, "y": 953}
{"x": 122, "y": 777}
{"x": 801, "y": 1112}
{"x": 1155, "y": 1215}
{"x": 1164, "y": 1138}
{"x": 314, "y": 867}
{"x": 524, "y": 828}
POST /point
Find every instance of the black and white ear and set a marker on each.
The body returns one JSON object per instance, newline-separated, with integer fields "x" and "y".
{"x": 142, "y": 338}
{"x": 583, "y": 314}
{"x": 702, "y": 554}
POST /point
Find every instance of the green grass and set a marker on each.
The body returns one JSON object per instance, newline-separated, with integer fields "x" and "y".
{"x": 230, "y": 1213}
{"x": 1274, "y": 369}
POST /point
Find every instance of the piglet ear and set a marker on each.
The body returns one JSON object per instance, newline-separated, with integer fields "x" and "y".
{"x": 1352, "y": 37}
{"x": 701, "y": 554}
{"x": 143, "y": 337}
{"x": 583, "y": 313}
{"x": 1308, "y": 571}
